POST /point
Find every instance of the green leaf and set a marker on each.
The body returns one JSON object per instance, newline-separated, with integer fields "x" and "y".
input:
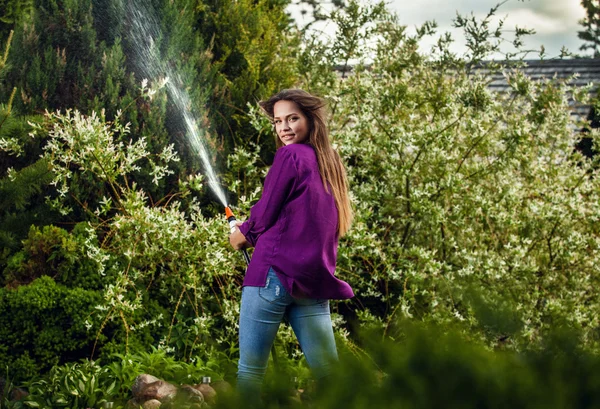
{"x": 110, "y": 389}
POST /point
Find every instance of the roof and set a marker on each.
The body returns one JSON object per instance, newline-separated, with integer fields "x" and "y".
{"x": 578, "y": 72}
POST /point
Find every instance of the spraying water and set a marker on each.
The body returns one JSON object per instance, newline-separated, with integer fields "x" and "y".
{"x": 144, "y": 33}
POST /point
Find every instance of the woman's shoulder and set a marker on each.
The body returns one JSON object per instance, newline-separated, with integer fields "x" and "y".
{"x": 301, "y": 157}
{"x": 296, "y": 150}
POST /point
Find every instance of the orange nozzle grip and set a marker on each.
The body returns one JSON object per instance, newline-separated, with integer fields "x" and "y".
{"x": 228, "y": 212}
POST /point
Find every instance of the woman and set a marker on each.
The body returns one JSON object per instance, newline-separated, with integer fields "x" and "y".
{"x": 295, "y": 226}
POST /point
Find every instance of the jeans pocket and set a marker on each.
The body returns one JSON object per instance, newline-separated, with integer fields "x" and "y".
{"x": 273, "y": 289}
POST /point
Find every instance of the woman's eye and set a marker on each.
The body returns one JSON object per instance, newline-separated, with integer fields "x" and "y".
{"x": 294, "y": 118}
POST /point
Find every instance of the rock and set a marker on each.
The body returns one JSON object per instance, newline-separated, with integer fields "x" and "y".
{"x": 207, "y": 391}
{"x": 18, "y": 393}
{"x": 133, "y": 404}
{"x": 151, "y": 404}
{"x": 159, "y": 390}
{"x": 141, "y": 382}
{"x": 14, "y": 393}
{"x": 192, "y": 394}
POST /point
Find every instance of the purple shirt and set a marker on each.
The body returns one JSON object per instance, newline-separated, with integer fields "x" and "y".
{"x": 293, "y": 228}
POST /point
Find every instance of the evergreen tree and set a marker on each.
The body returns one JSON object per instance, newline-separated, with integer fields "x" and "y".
{"x": 254, "y": 46}
{"x": 11, "y": 11}
{"x": 22, "y": 174}
{"x": 80, "y": 55}
{"x": 89, "y": 55}
{"x": 591, "y": 25}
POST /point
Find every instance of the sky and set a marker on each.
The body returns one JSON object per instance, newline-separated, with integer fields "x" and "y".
{"x": 556, "y": 22}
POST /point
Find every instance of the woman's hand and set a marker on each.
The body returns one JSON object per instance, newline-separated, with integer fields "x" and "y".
{"x": 237, "y": 239}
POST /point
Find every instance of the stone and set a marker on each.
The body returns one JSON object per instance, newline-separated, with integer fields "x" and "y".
{"x": 141, "y": 382}
{"x": 133, "y": 404}
{"x": 18, "y": 393}
{"x": 207, "y": 391}
{"x": 151, "y": 404}
{"x": 192, "y": 394}
{"x": 159, "y": 390}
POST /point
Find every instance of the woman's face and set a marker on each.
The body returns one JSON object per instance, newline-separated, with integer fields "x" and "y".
{"x": 291, "y": 124}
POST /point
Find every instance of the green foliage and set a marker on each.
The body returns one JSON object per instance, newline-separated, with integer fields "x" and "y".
{"x": 318, "y": 60}
{"x": 436, "y": 367}
{"x": 470, "y": 206}
{"x": 48, "y": 69}
{"x": 3, "y": 62}
{"x": 63, "y": 62}
{"x": 125, "y": 368}
{"x": 12, "y": 11}
{"x": 22, "y": 177}
{"x": 456, "y": 188}
{"x": 591, "y": 25}
{"x": 253, "y": 46}
{"x": 44, "y": 324}
{"x": 430, "y": 367}
{"x": 163, "y": 288}
{"x": 23, "y": 180}
{"x": 78, "y": 385}
{"x": 54, "y": 252}
{"x": 88, "y": 384}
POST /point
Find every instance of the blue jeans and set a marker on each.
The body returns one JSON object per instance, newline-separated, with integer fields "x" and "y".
{"x": 261, "y": 312}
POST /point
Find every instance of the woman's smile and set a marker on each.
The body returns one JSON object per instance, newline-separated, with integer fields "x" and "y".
{"x": 290, "y": 122}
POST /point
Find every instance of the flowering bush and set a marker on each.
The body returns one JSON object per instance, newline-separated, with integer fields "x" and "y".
{"x": 155, "y": 254}
{"x": 468, "y": 203}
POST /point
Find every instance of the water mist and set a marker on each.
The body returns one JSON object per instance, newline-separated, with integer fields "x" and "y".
{"x": 144, "y": 31}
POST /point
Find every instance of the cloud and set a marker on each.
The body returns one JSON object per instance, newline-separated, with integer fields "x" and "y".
{"x": 541, "y": 23}
{"x": 556, "y": 22}
{"x": 564, "y": 10}
{"x": 543, "y": 15}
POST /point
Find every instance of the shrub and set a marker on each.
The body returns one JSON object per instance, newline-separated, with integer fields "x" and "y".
{"x": 54, "y": 252}
{"x": 458, "y": 189}
{"x": 44, "y": 324}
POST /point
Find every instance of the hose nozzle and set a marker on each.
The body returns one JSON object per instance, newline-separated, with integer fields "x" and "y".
{"x": 232, "y": 226}
{"x": 230, "y": 219}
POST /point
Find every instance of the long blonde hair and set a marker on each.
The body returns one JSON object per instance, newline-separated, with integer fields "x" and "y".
{"x": 331, "y": 168}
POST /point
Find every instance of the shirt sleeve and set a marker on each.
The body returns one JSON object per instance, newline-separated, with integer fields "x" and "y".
{"x": 279, "y": 183}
